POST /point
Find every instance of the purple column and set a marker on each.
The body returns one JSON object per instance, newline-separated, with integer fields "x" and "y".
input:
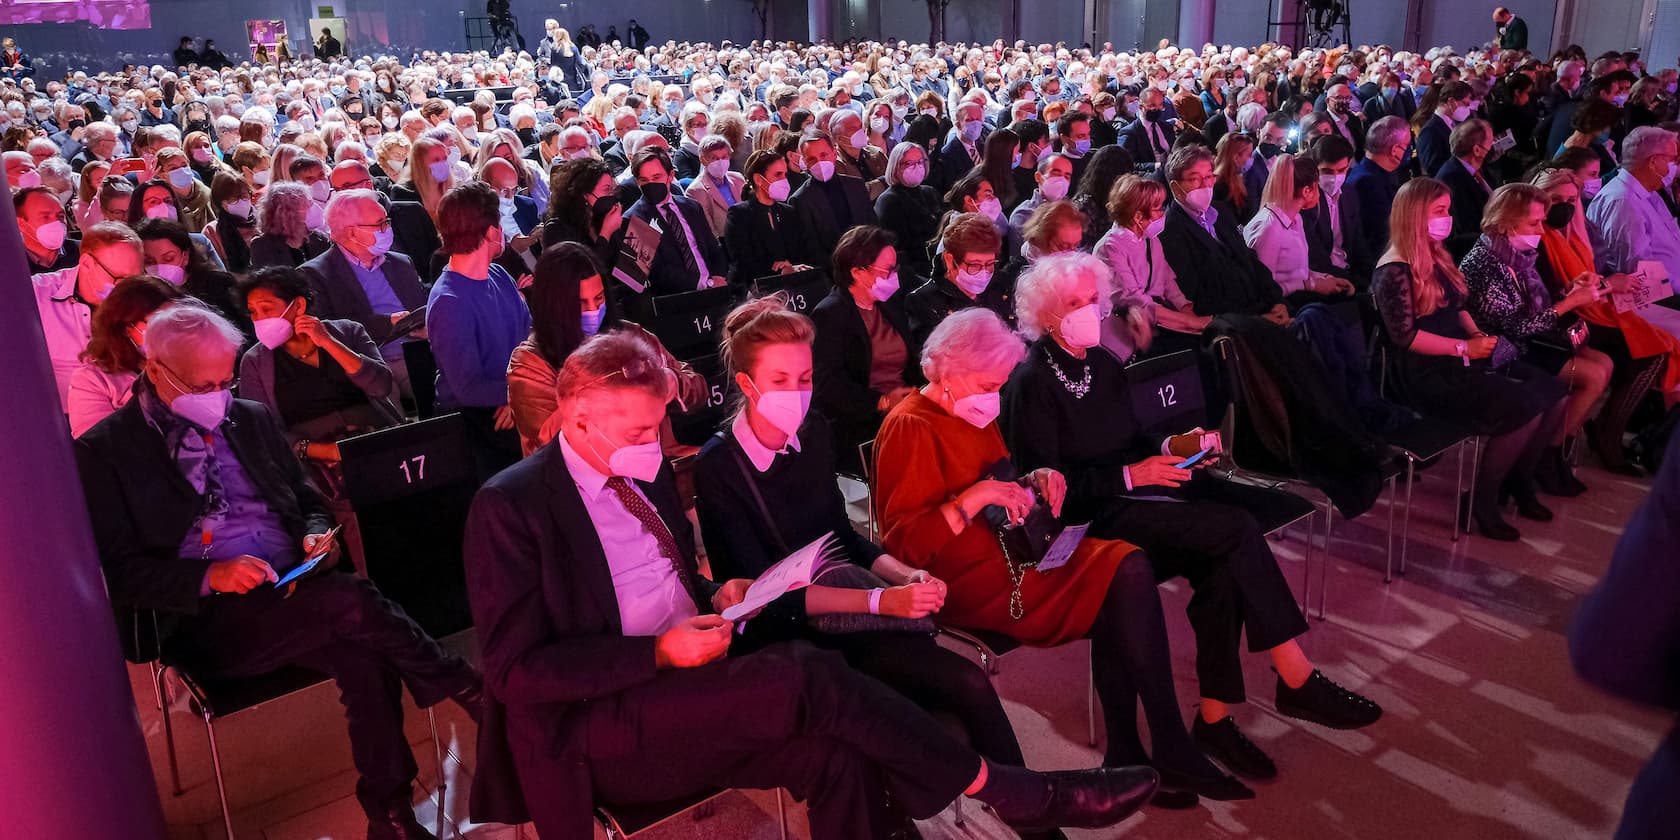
{"x": 822, "y": 20}
{"x": 1195, "y": 24}
{"x": 74, "y": 763}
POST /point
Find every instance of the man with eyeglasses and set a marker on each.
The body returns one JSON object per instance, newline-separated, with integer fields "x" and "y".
{"x": 199, "y": 507}
{"x": 66, "y": 299}
{"x": 360, "y": 277}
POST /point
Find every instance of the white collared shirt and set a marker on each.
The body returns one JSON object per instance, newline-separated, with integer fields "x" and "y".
{"x": 67, "y": 323}
{"x": 651, "y": 598}
{"x": 704, "y": 281}
{"x": 760, "y": 455}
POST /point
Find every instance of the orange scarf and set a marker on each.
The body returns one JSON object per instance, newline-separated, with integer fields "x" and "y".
{"x": 1569, "y": 256}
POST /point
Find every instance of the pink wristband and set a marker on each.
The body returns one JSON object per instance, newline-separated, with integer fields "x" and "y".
{"x": 875, "y": 600}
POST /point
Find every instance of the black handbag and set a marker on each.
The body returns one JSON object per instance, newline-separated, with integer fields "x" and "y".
{"x": 1023, "y": 545}
{"x": 841, "y": 574}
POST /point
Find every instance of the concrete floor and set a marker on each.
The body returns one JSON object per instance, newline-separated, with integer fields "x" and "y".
{"x": 1487, "y": 734}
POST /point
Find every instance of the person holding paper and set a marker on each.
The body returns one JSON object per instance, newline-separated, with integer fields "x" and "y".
{"x": 1069, "y": 409}
{"x": 1566, "y": 251}
{"x": 1515, "y": 303}
{"x": 198, "y": 508}
{"x": 608, "y": 672}
{"x": 931, "y": 461}
{"x": 1628, "y": 220}
{"x": 766, "y": 486}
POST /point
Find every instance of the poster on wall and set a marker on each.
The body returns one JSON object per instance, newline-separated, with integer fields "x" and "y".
{"x": 105, "y": 14}
{"x": 267, "y": 40}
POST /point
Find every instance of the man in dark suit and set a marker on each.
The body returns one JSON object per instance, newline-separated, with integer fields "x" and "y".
{"x": 1464, "y": 174}
{"x": 1388, "y": 98}
{"x": 1626, "y": 638}
{"x": 1149, "y": 139}
{"x": 1335, "y": 243}
{"x": 688, "y": 257}
{"x": 963, "y": 146}
{"x": 198, "y": 506}
{"x": 1217, "y": 270}
{"x": 1375, "y": 180}
{"x": 828, "y": 204}
{"x": 362, "y": 279}
{"x": 519, "y": 218}
{"x": 1513, "y": 30}
{"x": 1342, "y": 111}
{"x": 607, "y": 671}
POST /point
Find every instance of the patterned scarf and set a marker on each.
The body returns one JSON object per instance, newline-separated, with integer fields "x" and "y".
{"x": 188, "y": 446}
{"x": 1522, "y": 264}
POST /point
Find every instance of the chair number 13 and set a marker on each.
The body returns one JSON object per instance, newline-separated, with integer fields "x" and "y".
{"x": 419, "y": 471}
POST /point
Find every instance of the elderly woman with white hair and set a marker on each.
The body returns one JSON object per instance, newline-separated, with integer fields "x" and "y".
{"x": 910, "y": 209}
{"x": 1069, "y": 409}
{"x": 284, "y": 237}
{"x": 943, "y": 474}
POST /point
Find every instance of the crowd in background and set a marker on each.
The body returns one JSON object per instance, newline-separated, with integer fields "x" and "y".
{"x": 1387, "y": 236}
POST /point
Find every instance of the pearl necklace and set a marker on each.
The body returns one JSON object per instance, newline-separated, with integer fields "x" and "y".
{"x": 1077, "y": 389}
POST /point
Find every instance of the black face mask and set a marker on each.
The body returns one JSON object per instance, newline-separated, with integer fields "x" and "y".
{"x": 1154, "y": 115}
{"x": 1558, "y": 216}
{"x": 1270, "y": 150}
{"x": 654, "y": 193}
{"x": 157, "y": 103}
{"x": 75, "y": 124}
{"x": 528, "y": 136}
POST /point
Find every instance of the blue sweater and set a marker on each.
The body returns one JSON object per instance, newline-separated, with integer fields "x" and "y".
{"x": 474, "y": 326}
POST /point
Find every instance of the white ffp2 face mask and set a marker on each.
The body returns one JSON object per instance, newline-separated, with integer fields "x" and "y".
{"x": 785, "y": 410}
{"x": 978, "y": 410}
{"x": 1082, "y": 328}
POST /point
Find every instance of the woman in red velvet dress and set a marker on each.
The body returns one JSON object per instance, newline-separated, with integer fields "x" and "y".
{"x": 931, "y": 457}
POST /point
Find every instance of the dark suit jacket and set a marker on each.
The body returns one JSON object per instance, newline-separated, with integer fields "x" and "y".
{"x": 912, "y": 214}
{"x": 954, "y": 162}
{"x": 543, "y": 600}
{"x": 1321, "y": 238}
{"x": 1373, "y": 188}
{"x": 1356, "y": 126}
{"x": 841, "y": 357}
{"x": 667, "y": 275}
{"x": 268, "y": 249}
{"x": 1468, "y": 198}
{"x": 1625, "y": 636}
{"x": 686, "y": 161}
{"x": 816, "y": 218}
{"x": 1376, "y": 107}
{"x": 1135, "y": 139}
{"x": 1434, "y": 145}
{"x": 526, "y": 217}
{"x": 141, "y": 507}
{"x": 1220, "y": 274}
{"x": 1217, "y": 126}
{"x": 414, "y": 235}
{"x": 755, "y": 243}
{"x": 338, "y": 294}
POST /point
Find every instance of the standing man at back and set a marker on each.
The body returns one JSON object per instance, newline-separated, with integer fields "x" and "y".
{"x": 1513, "y": 30}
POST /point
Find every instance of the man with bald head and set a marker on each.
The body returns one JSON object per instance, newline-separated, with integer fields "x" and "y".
{"x": 360, "y": 277}
{"x": 1345, "y": 117}
{"x": 519, "y": 217}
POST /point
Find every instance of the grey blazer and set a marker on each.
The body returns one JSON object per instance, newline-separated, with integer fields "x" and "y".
{"x": 256, "y": 374}
{"x": 338, "y": 294}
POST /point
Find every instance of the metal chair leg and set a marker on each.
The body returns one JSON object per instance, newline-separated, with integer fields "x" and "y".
{"x": 1393, "y": 499}
{"x": 1091, "y": 702}
{"x": 781, "y": 811}
{"x": 442, "y": 780}
{"x": 1467, "y": 442}
{"x": 216, "y": 766}
{"x": 175, "y": 788}
{"x": 1475, "y": 472}
{"x": 1306, "y": 562}
{"x": 1329, "y": 555}
{"x": 1406, "y": 518}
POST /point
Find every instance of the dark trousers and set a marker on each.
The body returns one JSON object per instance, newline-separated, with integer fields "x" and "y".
{"x": 1217, "y": 546}
{"x": 786, "y": 716}
{"x": 340, "y": 625}
{"x": 939, "y": 680}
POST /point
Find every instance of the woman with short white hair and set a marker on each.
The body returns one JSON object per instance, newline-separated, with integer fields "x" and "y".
{"x": 942, "y": 471}
{"x": 1068, "y": 408}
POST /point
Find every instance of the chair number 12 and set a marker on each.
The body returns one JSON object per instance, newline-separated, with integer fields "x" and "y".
{"x": 419, "y": 471}
{"x": 1168, "y": 395}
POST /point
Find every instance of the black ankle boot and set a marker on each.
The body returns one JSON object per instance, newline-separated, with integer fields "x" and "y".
{"x": 1487, "y": 520}
{"x": 1554, "y": 475}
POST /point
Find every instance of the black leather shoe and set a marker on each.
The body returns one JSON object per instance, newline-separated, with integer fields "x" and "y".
{"x": 1321, "y": 701}
{"x": 1220, "y": 788}
{"x": 1487, "y": 520}
{"x": 1095, "y": 798}
{"x": 1225, "y": 743}
{"x": 398, "y": 824}
{"x": 1174, "y": 800}
{"x": 1530, "y": 508}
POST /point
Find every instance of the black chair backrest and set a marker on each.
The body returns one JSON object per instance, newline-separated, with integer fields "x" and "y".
{"x": 411, "y": 486}
{"x": 701, "y": 422}
{"x": 689, "y": 323}
{"x": 422, "y": 375}
{"x": 804, "y": 288}
{"x": 1166, "y": 393}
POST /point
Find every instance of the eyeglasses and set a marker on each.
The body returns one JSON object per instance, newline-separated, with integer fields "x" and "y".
{"x": 975, "y": 266}
{"x": 382, "y": 224}
{"x": 639, "y": 373}
{"x": 175, "y": 381}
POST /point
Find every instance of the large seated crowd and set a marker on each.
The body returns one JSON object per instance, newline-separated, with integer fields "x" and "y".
{"x": 933, "y": 266}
